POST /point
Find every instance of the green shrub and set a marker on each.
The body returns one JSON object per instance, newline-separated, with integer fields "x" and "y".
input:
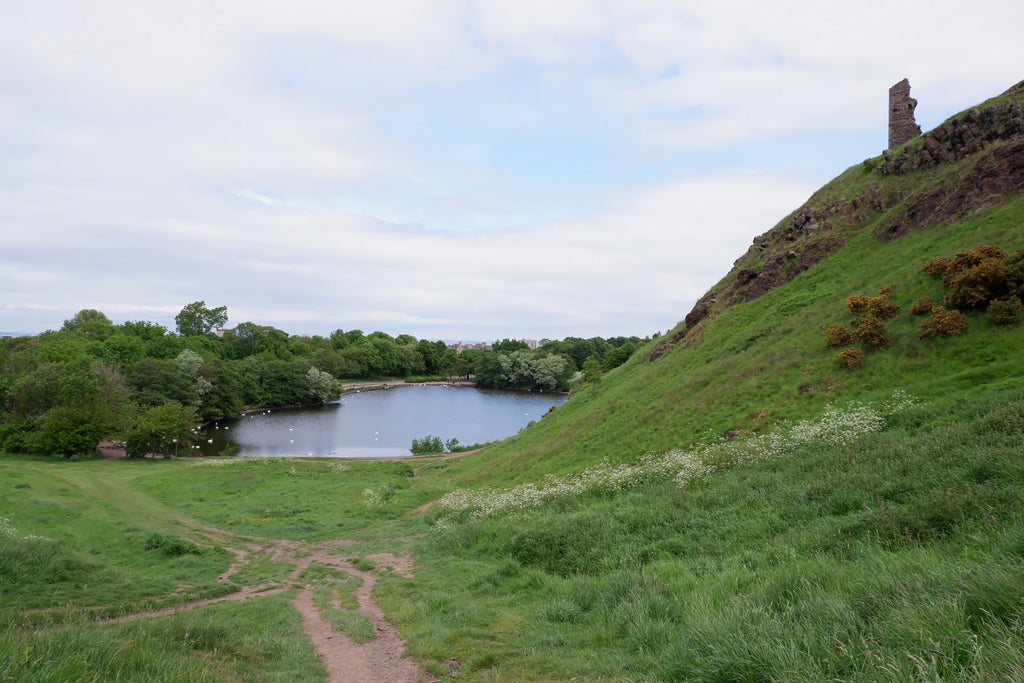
{"x": 937, "y": 267}
{"x": 1005, "y": 311}
{"x": 922, "y": 306}
{"x": 872, "y": 332}
{"x": 1015, "y": 273}
{"x": 943, "y": 323}
{"x": 564, "y": 547}
{"x": 857, "y": 304}
{"x": 882, "y": 307}
{"x": 171, "y": 546}
{"x": 976, "y": 277}
{"x": 838, "y": 335}
{"x": 71, "y": 431}
{"x": 428, "y": 444}
{"x": 851, "y": 358}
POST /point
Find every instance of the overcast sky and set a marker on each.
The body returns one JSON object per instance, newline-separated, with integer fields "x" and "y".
{"x": 443, "y": 168}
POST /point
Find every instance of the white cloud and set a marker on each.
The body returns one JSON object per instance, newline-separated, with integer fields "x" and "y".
{"x": 436, "y": 167}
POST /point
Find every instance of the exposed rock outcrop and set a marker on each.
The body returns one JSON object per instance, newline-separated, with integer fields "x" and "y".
{"x": 994, "y": 134}
{"x": 988, "y": 183}
{"x": 958, "y": 138}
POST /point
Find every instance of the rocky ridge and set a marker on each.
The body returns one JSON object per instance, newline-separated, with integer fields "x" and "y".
{"x": 986, "y": 143}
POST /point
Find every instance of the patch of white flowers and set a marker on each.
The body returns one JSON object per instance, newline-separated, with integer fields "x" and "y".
{"x": 373, "y": 499}
{"x": 837, "y": 427}
{"x": 7, "y": 530}
{"x": 293, "y": 466}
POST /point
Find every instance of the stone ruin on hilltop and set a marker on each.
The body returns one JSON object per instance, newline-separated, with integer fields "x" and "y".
{"x": 902, "y": 126}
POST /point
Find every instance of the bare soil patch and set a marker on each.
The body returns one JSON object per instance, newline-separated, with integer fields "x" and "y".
{"x": 344, "y": 660}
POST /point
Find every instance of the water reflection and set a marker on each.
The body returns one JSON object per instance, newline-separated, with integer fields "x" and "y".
{"x": 381, "y": 423}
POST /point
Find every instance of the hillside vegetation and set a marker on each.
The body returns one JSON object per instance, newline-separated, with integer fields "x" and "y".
{"x": 747, "y": 357}
{"x": 730, "y": 504}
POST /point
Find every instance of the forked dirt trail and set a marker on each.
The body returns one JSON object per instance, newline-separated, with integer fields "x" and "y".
{"x": 344, "y": 660}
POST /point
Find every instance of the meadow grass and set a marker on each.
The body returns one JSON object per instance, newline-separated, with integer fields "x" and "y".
{"x": 881, "y": 540}
{"x": 252, "y": 640}
{"x": 294, "y": 498}
{"x": 893, "y": 554}
{"x": 69, "y": 549}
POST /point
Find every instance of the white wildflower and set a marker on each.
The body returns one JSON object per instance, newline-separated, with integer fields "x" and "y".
{"x": 835, "y": 427}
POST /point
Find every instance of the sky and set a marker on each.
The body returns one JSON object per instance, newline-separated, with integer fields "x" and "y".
{"x": 447, "y": 169}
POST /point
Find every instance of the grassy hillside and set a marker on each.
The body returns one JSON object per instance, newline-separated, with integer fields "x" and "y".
{"x": 729, "y": 505}
{"x": 751, "y": 364}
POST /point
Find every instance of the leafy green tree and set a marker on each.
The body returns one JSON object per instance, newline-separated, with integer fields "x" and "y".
{"x": 350, "y": 362}
{"x": 487, "y": 369}
{"x": 125, "y": 349}
{"x": 619, "y": 355}
{"x": 412, "y": 359}
{"x": 427, "y": 445}
{"x": 551, "y": 373}
{"x": 72, "y": 430}
{"x": 579, "y": 350}
{"x": 592, "y": 369}
{"x": 59, "y": 347}
{"x": 144, "y": 330}
{"x": 387, "y": 359}
{"x": 32, "y": 393}
{"x": 460, "y": 367}
{"x": 433, "y": 355}
{"x": 154, "y": 381}
{"x": 509, "y": 345}
{"x": 90, "y": 322}
{"x": 339, "y": 339}
{"x": 166, "y": 429}
{"x": 223, "y": 398}
{"x": 196, "y": 320}
{"x": 248, "y": 339}
{"x": 516, "y": 369}
{"x": 322, "y": 387}
{"x": 190, "y": 365}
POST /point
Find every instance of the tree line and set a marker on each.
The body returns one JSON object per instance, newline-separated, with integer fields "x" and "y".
{"x": 64, "y": 391}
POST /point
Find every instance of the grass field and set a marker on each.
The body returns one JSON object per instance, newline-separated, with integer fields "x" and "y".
{"x": 883, "y": 542}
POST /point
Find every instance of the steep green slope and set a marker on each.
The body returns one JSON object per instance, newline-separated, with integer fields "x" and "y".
{"x": 752, "y": 351}
{"x": 794, "y": 520}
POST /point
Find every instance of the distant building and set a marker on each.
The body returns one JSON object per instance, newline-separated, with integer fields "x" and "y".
{"x": 460, "y": 346}
{"x": 483, "y": 346}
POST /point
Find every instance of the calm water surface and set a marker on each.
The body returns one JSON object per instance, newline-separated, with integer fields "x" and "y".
{"x": 382, "y": 423}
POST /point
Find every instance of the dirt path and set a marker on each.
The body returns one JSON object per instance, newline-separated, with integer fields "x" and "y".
{"x": 343, "y": 659}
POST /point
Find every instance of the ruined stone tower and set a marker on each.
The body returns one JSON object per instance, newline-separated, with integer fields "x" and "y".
{"x": 902, "y": 126}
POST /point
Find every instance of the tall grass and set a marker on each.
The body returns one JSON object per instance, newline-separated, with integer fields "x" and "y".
{"x": 895, "y": 553}
{"x": 254, "y": 640}
{"x": 837, "y": 426}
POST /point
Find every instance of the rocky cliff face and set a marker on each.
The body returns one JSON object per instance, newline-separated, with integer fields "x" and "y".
{"x": 987, "y": 145}
{"x": 958, "y": 138}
